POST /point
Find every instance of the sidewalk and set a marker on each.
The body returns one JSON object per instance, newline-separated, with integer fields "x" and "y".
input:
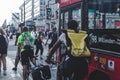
{"x": 11, "y": 75}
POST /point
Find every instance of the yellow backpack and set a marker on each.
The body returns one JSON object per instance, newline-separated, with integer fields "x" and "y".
{"x": 79, "y": 48}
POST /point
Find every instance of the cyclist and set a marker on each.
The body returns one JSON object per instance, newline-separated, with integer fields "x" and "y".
{"x": 74, "y": 67}
{"x": 25, "y": 51}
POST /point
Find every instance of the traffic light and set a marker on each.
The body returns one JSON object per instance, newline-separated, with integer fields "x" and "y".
{"x": 49, "y": 13}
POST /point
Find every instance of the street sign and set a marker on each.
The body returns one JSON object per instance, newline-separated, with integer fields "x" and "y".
{"x": 49, "y": 13}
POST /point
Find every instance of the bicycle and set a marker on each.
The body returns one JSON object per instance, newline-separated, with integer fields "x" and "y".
{"x": 61, "y": 65}
{"x": 39, "y": 72}
{"x": 29, "y": 68}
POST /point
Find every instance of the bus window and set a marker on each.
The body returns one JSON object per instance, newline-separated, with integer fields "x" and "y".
{"x": 76, "y": 15}
{"x": 66, "y": 20}
{"x": 103, "y": 14}
{"x": 104, "y": 39}
{"x": 69, "y": 10}
{"x": 61, "y": 21}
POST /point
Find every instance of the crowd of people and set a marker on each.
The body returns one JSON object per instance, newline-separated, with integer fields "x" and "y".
{"x": 36, "y": 47}
{"x": 30, "y": 45}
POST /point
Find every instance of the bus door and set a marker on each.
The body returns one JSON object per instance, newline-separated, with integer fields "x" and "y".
{"x": 67, "y": 13}
{"x": 70, "y": 12}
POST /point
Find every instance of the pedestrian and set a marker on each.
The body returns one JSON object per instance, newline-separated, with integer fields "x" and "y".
{"x": 11, "y": 36}
{"x": 39, "y": 45}
{"x": 17, "y": 35}
{"x": 34, "y": 32}
{"x": 3, "y": 49}
{"x": 17, "y": 57}
{"x": 53, "y": 35}
{"x": 25, "y": 50}
{"x": 7, "y": 32}
{"x": 75, "y": 67}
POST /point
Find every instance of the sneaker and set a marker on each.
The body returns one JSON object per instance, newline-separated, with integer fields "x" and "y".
{"x": 4, "y": 72}
{"x": 15, "y": 69}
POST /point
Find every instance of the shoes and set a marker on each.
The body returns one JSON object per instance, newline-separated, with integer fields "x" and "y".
{"x": 15, "y": 69}
{"x": 4, "y": 72}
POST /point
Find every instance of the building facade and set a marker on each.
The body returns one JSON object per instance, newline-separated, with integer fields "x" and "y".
{"x": 44, "y": 13}
{"x": 15, "y": 20}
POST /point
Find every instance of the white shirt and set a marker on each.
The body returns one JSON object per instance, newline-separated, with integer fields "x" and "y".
{"x": 34, "y": 34}
{"x": 62, "y": 38}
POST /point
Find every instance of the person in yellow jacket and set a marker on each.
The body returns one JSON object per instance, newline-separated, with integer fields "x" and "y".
{"x": 74, "y": 67}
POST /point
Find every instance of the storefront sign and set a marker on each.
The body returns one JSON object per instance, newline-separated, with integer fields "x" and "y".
{"x": 67, "y": 2}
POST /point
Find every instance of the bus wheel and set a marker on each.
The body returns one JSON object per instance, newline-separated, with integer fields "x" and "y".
{"x": 97, "y": 75}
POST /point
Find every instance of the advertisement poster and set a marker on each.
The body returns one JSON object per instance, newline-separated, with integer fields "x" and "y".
{"x": 117, "y": 23}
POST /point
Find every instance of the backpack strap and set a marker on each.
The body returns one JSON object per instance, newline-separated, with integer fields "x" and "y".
{"x": 27, "y": 46}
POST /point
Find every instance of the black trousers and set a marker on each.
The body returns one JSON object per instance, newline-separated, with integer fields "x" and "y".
{"x": 40, "y": 47}
{"x": 78, "y": 68}
{"x": 25, "y": 55}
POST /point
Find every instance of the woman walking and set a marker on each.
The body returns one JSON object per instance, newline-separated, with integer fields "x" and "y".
{"x": 39, "y": 45}
{"x": 3, "y": 49}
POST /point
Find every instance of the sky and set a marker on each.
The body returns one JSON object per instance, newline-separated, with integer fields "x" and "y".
{"x": 7, "y": 7}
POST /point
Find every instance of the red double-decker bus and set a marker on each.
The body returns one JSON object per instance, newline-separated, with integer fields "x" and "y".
{"x": 101, "y": 18}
